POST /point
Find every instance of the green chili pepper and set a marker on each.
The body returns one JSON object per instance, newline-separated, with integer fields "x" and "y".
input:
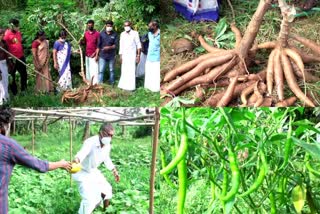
{"x": 163, "y": 164}
{"x": 225, "y": 183}
{"x": 281, "y": 190}
{"x": 182, "y": 168}
{"x": 224, "y": 189}
{"x": 310, "y": 169}
{"x": 235, "y": 180}
{"x": 183, "y": 148}
{"x": 288, "y": 146}
{"x": 212, "y": 184}
{"x": 273, "y": 207}
{"x": 262, "y": 174}
{"x": 182, "y": 191}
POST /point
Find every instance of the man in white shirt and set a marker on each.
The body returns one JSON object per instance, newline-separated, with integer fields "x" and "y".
{"x": 92, "y": 183}
{"x": 129, "y": 50}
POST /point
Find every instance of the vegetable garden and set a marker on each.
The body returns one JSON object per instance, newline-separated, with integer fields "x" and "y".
{"x": 53, "y": 135}
{"x": 240, "y": 160}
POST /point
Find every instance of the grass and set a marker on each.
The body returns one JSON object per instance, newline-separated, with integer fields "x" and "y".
{"x": 115, "y": 96}
{"x": 177, "y": 27}
{"x": 33, "y": 192}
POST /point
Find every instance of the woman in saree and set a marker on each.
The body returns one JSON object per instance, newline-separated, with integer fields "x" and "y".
{"x": 41, "y": 56}
{"x": 61, "y": 58}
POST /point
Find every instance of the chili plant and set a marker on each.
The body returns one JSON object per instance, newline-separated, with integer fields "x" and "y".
{"x": 240, "y": 160}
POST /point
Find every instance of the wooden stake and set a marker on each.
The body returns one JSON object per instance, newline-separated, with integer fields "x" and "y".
{"x": 32, "y": 124}
{"x": 14, "y": 127}
{"x": 154, "y": 161}
{"x": 70, "y": 128}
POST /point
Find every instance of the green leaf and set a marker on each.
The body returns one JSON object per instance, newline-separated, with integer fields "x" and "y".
{"x": 229, "y": 205}
{"x": 303, "y": 122}
{"x": 221, "y": 28}
{"x": 187, "y": 37}
{"x": 175, "y": 102}
{"x": 312, "y": 149}
{"x": 228, "y": 36}
{"x": 199, "y": 50}
{"x": 278, "y": 137}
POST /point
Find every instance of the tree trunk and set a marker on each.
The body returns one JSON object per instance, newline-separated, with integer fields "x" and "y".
{"x": 86, "y": 132}
{"x": 44, "y": 125}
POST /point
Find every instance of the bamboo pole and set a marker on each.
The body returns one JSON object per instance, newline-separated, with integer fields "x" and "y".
{"x": 32, "y": 127}
{"x": 52, "y": 112}
{"x": 154, "y": 161}
{"x": 70, "y": 128}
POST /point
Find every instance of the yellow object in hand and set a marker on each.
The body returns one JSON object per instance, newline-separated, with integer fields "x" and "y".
{"x": 76, "y": 167}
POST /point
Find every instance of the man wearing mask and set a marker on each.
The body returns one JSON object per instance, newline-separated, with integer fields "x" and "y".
{"x": 92, "y": 184}
{"x": 90, "y": 40}
{"x": 106, "y": 52}
{"x": 130, "y": 49}
{"x": 152, "y": 73}
{"x": 11, "y": 153}
{"x": 13, "y": 39}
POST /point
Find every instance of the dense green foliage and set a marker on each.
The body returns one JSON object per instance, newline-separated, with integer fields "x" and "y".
{"x": 243, "y": 160}
{"x": 33, "y": 192}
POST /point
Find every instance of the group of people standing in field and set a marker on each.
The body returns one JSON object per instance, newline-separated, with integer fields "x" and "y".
{"x": 136, "y": 57}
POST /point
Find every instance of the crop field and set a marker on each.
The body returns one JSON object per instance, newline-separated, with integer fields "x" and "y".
{"x": 239, "y": 160}
{"x": 52, "y": 192}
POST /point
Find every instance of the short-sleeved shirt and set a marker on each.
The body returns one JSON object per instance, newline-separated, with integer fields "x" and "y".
{"x": 58, "y": 46}
{"x": 91, "y": 39}
{"x": 11, "y": 153}
{"x": 154, "y": 47}
{"x": 145, "y": 43}
{"x": 107, "y": 40}
{"x": 35, "y": 44}
{"x": 14, "y": 42}
{"x": 3, "y": 55}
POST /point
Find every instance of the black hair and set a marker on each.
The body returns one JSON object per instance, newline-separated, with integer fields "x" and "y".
{"x": 14, "y": 21}
{"x": 155, "y": 23}
{"x": 90, "y": 21}
{"x": 63, "y": 33}
{"x": 105, "y": 128}
{"x": 6, "y": 117}
{"x": 38, "y": 34}
{"x": 109, "y": 22}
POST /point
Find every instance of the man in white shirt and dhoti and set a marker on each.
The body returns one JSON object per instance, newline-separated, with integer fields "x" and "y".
{"x": 129, "y": 50}
{"x": 93, "y": 186}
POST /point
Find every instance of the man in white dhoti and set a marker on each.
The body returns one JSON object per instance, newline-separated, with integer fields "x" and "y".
{"x": 4, "y": 79}
{"x": 152, "y": 70}
{"x": 129, "y": 50}
{"x": 92, "y": 184}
